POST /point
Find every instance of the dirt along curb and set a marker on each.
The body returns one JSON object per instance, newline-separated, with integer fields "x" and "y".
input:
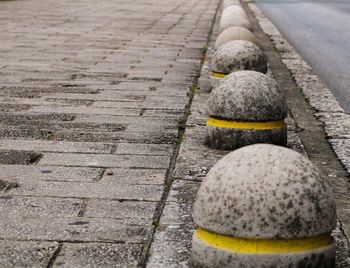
{"x": 172, "y": 241}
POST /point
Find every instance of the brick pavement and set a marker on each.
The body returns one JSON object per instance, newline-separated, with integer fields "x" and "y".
{"x": 91, "y": 97}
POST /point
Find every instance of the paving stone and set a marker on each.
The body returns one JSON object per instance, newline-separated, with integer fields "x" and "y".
{"x": 19, "y": 157}
{"x": 75, "y": 229}
{"x": 55, "y": 146}
{"x": 144, "y": 149}
{"x": 105, "y": 190}
{"x": 84, "y": 136}
{"x": 26, "y": 254}
{"x": 85, "y": 110}
{"x": 33, "y": 207}
{"x": 99, "y": 255}
{"x": 53, "y": 117}
{"x": 120, "y": 209}
{"x": 104, "y": 160}
{"x": 156, "y": 137}
{"x": 8, "y": 107}
{"x": 135, "y": 176}
{"x": 132, "y": 123}
{"x": 21, "y": 92}
{"x": 50, "y": 173}
{"x": 93, "y": 97}
{"x": 43, "y": 102}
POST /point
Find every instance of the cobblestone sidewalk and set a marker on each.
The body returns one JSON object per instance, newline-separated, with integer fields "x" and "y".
{"x": 91, "y": 97}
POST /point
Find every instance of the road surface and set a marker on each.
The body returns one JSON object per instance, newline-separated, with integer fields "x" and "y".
{"x": 320, "y": 31}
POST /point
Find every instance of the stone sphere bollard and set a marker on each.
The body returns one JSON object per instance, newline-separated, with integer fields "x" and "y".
{"x": 233, "y": 11}
{"x": 228, "y": 3}
{"x": 264, "y": 206}
{"x": 234, "y": 21}
{"x": 235, "y": 33}
{"x": 236, "y": 56}
{"x": 246, "y": 107}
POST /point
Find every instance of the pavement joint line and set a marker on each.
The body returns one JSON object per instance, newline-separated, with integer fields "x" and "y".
{"x": 117, "y": 115}
{"x": 55, "y": 255}
{"x": 92, "y": 153}
{"x": 88, "y": 198}
{"x": 96, "y": 166}
{"x": 76, "y": 241}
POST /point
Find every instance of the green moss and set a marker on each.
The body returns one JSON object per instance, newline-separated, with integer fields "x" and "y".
{"x": 179, "y": 140}
{"x": 307, "y": 100}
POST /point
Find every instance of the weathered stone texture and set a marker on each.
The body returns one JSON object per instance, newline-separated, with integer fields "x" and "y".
{"x": 91, "y": 98}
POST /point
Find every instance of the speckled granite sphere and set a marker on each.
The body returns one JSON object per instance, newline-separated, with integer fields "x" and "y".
{"x": 226, "y": 23}
{"x": 246, "y": 107}
{"x": 264, "y": 206}
{"x": 235, "y": 33}
{"x": 228, "y": 3}
{"x": 235, "y": 56}
{"x": 233, "y": 11}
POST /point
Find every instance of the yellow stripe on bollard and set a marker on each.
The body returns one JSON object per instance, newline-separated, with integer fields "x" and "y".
{"x": 246, "y": 125}
{"x": 263, "y": 246}
{"x": 218, "y": 75}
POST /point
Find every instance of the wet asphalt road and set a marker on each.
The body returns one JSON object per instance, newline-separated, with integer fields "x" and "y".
{"x": 320, "y": 32}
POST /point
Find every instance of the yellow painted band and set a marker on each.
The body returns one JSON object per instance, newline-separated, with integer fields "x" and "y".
{"x": 218, "y": 75}
{"x": 263, "y": 246}
{"x": 246, "y": 125}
